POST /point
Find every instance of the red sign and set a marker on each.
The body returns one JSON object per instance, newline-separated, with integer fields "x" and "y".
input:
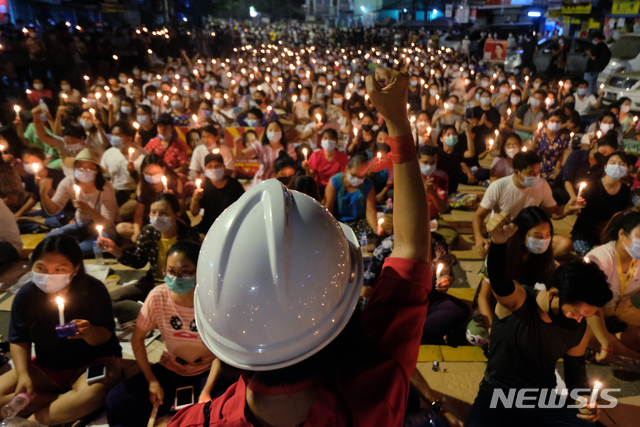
{"x": 232, "y": 135}
{"x": 495, "y": 50}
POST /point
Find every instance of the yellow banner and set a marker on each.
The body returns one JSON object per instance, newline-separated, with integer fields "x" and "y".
{"x": 580, "y": 9}
{"x": 621, "y": 7}
{"x": 593, "y": 24}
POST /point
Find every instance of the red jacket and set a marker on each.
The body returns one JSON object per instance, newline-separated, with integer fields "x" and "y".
{"x": 372, "y": 396}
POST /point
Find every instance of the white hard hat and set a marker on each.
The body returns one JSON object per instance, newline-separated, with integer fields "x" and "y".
{"x": 278, "y": 279}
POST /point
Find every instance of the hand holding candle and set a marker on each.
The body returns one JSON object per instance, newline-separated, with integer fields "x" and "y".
{"x": 99, "y": 228}
{"x": 582, "y": 185}
{"x": 594, "y": 394}
{"x": 16, "y": 108}
{"x": 131, "y": 151}
{"x": 198, "y": 183}
{"x": 77, "y": 190}
{"x": 60, "y": 303}
{"x": 439, "y": 271}
{"x": 35, "y": 167}
{"x": 164, "y": 182}
{"x": 304, "y": 151}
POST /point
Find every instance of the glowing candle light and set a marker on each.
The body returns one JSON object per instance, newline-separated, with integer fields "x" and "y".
{"x": 380, "y": 229}
{"x": 508, "y": 111}
{"x": 439, "y": 271}
{"x": 490, "y": 144}
{"x": 16, "y": 108}
{"x": 164, "y": 182}
{"x": 198, "y": 183}
{"x": 594, "y": 394}
{"x": 319, "y": 117}
{"x": 560, "y": 83}
{"x": 35, "y": 167}
{"x": 99, "y": 228}
{"x": 598, "y": 134}
{"x": 136, "y": 125}
{"x": 2, "y": 149}
{"x": 195, "y": 118}
{"x": 60, "y": 303}
{"x": 582, "y": 185}
{"x": 304, "y": 151}
{"x": 215, "y": 151}
{"x": 131, "y": 151}
{"x": 77, "y": 190}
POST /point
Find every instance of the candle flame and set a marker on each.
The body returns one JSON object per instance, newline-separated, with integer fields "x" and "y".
{"x": 131, "y": 150}
{"x": 597, "y": 385}
{"x": 195, "y": 118}
{"x": 198, "y": 182}
{"x": 215, "y": 150}
{"x": 136, "y": 125}
{"x": 439, "y": 269}
{"x": 35, "y": 167}
{"x": 99, "y": 228}
{"x": 304, "y": 151}
{"x": 16, "y": 108}
{"x": 380, "y": 221}
{"x": 585, "y": 259}
{"x": 59, "y": 301}
{"x": 164, "y": 180}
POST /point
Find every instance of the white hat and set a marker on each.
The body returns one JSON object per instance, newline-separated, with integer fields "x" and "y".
{"x": 278, "y": 279}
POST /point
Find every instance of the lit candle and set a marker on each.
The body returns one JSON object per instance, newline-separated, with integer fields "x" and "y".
{"x": 439, "y": 271}
{"x": 497, "y": 132}
{"x": 86, "y": 78}
{"x": 93, "y": 112}
{"x": 2, "y": 149}
{"x": 304, "y": 151}
{"x": 99, "y": 228}
{"x": 136, "y": 125}
{"x": 16, "y": 108}
{"x": 598, "y": 134}
{"x": 586, "y": 260}
{"x": 582, "y": 185}
{"x": 428, "y": 130}
{"x": 215, "y": 150}
{"x": 35, "y": 168}
{"x": 294, "y": 98}
{"x": 524, "y": 149}
{"x": 319, "y": 117}
{"x": 508, "y": 111}
{"x": 601, "y": 87}
{"x": 594, "y": 394}
{"x": 560, "y": 83}
{"x": 571, "y": 135}
{"x": 77, "y": 189}
{"x": 131, "y": 151}
{"x": 379, "y": 155}
{"x": 539, "y": 125}
{"x": 380, "y": 229}
{"x": 526, "y": 79}
{"x": 164, "y": 182}
{"x": 195, "y": 118}
{"x": 60, "y": 303}
{"x": 490, "y": 144}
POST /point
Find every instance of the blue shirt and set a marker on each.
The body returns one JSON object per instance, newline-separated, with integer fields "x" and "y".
{"x": 350, "y": 206}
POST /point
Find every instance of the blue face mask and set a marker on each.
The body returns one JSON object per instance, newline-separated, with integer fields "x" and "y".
{"x": 252, "y": 123}
{"x": 450, "y": 140}
{"x": 207, "y": 114}
{"x": 84, "y": 176}
{"x": 143, "y": 120}
{"x": 179, "y": 285}
{"x": 43, "y": 118}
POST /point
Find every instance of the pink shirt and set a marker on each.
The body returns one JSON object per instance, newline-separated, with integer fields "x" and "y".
{"x": 326, "y": 169}
{"x": 186, "y": 354}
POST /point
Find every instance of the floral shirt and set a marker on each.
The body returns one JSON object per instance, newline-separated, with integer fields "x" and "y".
{"x": 175, "y": 155}
{"x": 551, "y": 152}
{"x": 183, "y": 119}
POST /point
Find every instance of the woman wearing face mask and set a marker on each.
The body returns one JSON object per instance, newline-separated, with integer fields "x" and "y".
{"x": 38, "y": 92}
{"x": 266, "y": 151}
{"x": 153, "y": 101}
{"x": 422, "y": 129}
{"x": 56, "y": 378}
{"x": 181, "y": 115}
{"x": 218, "y": 191}
{"x": 530, "y": 261}
{"x": 96, "y": 137}
{"x": 446, "y": 116}
{"x": 150, "y": 185}
{"x": 186, "y": 362}
{"x": 452, "y": 160}
{"x": 148, "y": 129}
{"x": 414, "y": 98}
{"x": 364, "y": 141}
{"x": 125, "y": 111}
{"x": 68, "y": 96}
{"x": 627, "y": 122}
{"x": 95, "y": 202}
{"x": 431, "y": 98}
{"x": 337, "y": 110}
{"x": 607, "y": 122}
{"x": 508, "y": 112}
{"x": 327, "y": 162}
{"x": 174, "y": 151}
{"x": 301, "y": 108}
{"x": 211, "y": 142}
{"x": 164, "y": 229}
{"x": 551, "y": 146}
{"x": 605, "y": 197}
{"x": 503, "y": 164}
{"x": 351, "y": 198}
{"x": 615, "y": 327}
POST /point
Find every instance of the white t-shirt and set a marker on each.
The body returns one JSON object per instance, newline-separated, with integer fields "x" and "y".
{"x": 201, "y": 151}
{"x": 116, "y": 165}
{"x": 67, "y": 150}
{"x": 9, "y": 231}
{"x": 503, "y": 195}
{"x": 583, "y": 106}
{"x": 103, "y": 201}
{"x": 606, "y": 258}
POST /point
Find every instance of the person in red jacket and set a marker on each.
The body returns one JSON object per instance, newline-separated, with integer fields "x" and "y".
{"x": 288, "y": 320}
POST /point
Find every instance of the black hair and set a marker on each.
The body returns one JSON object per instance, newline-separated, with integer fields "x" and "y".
{"x": 256, "y": 112}
{"x": 540, "y": 92}
{"x": 610, "y": 115}
{"x": 150, "y": 88}
{"x": 147, "y": 109}
{"x": 15, "y": 144}
{"x": 306, "y": 185}
{"x": 283, "y": 138}
{"x": 331, "y": 132}
{"x": 188, "y": 248}
{"x": 357, "y": 160}
{"x": 528, "y": 268}
{"x": 35, "y": 151}
{"x": 610, "y": 139}
{"x": 126, "y": 128}
{"x": 312, "y": 108}
{"x": 62, "y": 244}
{"x": 244, "y": 136}
{"x": 625, "y": 221}
{"x": 129, "y": 101}
{"x": 74, "y": 131}
{"x": 504, "y": 143}
{"x": 427, "y": 150}
{"x": 213, "y": 158}
{"x": 154, "y": 159}
{"x": 444, "y": 130}
{"x": 165, "y": 119}
{"x": 283, "y": 161}
{"x": 169, "y": 198}
{"x": 211, "y": 129}
{"x": 524, "y": 159}
{"x": 578, "y": 281}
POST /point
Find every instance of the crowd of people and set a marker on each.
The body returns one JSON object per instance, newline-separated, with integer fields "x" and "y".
{"x": 155, "y": 138}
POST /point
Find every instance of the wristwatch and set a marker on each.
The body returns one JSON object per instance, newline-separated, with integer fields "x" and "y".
{"x": 436, "y": 406}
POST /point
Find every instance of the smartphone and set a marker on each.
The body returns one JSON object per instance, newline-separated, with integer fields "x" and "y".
{"x": 43, "y": 106}
{"x": 184, "y": 397}
{"x": 96, "y": 372}
{"x": 469, "y": 113}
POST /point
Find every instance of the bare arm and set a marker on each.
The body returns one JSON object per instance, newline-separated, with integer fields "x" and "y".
{"x": 329, "y": 196}
{"x": 372, "y": 218}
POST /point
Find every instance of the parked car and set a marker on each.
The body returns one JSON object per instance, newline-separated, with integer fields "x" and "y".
{"x": 625, "y": 56}
{"x": 576, "y": 56}
{"x": 623, "y": 85}
{"x": 454, "y": 41}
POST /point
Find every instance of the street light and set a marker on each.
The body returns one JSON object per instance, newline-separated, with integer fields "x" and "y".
{"x": 252, "y": 12}
{"x": 534, "y": 14}
{"x": 362, "y": 8}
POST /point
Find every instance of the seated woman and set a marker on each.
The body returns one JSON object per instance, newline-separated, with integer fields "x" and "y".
{"x": 153, "y": 169}
{"x": 93, "y": 197}
{"x": 615, "y": 329}
{"x": 605, "y": 197}
{"x": 327, "y": 162}
{"x": 351, "y": 198}
{"x": 446, "y": 315}
{"x": 284, "y": 167}
{"x": 218, "y": 191}
{"x": 211, "y": 141}
{"x": 164, "y": 230}
{"x": 56, "y": 378}
{"x": 148, "y": 129}
{"x": 383, "y": 179}
{"x": 422, "y": 130}
{"x": 607, "y": 121}
{"x": 551, "y": 144}
{"x": 173, "y": 150}
{"x": 266, "y": 151}
{"x": 365, "y": 140}
{"x": 186, "y": 362}
{"x": 96, "y": 136}
{"x": 503, "y": 165}
{"x": 530, "y": 262}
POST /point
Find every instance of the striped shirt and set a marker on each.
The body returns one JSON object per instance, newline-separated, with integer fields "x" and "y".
{"x": 266, "y": 156}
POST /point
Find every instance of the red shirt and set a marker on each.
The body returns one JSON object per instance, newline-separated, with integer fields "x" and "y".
{"x": 375, "y": 395}
{"x": 441, "y": 182}
{"x": 176, "y": 155}
{"x": 326, "y": 169}
{"x": 35, "y": 96}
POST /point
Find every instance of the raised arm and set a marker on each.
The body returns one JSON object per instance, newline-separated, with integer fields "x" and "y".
{"x": 388, "y": 92}
{"x": 41, "y": 132}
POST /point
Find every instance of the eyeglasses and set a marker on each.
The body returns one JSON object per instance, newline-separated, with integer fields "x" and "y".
{"x": 181, "y": 274}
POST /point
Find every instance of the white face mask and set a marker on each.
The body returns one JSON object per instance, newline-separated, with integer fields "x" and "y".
{"x": 427, "y": 170}
{"x": 511, "y": 152}
{"x": 328, "y": 144}
{"x": 65, "y": 88}
{"x": 116, "y": 142}
{"x": 625, "y": 108}
{"x": 515, "y": 100}
{"x": 534, "y": 102}
{"x": 537, "y": 246}
{"x": 529, "y": 181}
{"x": 38, "y": 86}
{"x": 274, "y": 136}
{"x": 615, "y": 172}
{"x": 51, "y": 283}
{"x": 605, "y": 127}
{"x": 215, "y": 174}
{"x": 84, "y": 176}
{"x": 153, "y": 179}
{"x": 484, "y": 100}
{"x": 634, "y": 249}
{"x": 553, "y": 127}
{"x": 354, "y": 181}
{"x": 160, "y": 223}
{"x": 433, "y": 92}
{"x": 176, "y": 104}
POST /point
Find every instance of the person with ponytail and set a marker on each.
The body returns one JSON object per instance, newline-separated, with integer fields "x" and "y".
{"x": 615, "y": 329}
{"x": 604, "y": 197}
